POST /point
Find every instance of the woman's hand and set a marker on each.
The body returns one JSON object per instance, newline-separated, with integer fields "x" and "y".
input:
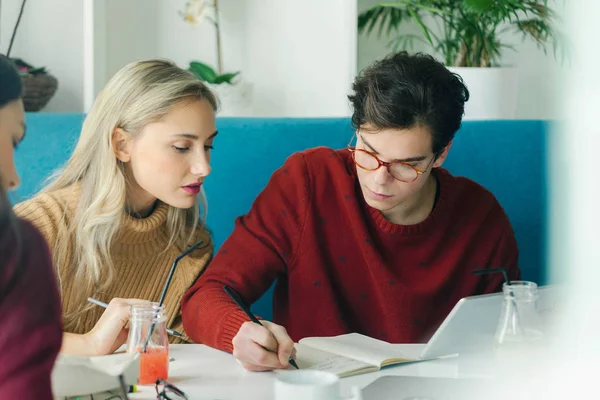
{"x": 110, "y": 332}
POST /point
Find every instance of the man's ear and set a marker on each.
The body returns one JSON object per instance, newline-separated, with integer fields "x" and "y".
{"x": 442, "y": 156}
{"x": 121, "y": 143}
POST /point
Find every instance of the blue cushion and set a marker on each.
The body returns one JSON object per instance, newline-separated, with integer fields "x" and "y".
{"x": 49, "y": 141}
{"x": 507, "y": 157}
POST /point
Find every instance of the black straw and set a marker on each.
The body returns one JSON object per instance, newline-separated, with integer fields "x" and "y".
{"x": 492, "y": 271}
{"x": 507, "y": 281}
{"x": 166, "y": 287}
{"x": 173, "y": 266}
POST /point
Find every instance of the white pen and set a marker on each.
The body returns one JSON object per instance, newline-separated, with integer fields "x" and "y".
{"x": 104, "y": 305}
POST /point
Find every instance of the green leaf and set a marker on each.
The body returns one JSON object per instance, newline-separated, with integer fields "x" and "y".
{"x": 405, "y": 4}
{"x": 226, "y": 78}
{"x": 203, "y": 72}
{"x": 416, "y": 17}
{"x": 37, "y": 71}
{"x": 386, "y": 18}
{"x": 478, "y": 5}
{"x": 382, "y": 23}
{"x": 389, "y": 16}
{"x": 405, "y": 42}
{"x": 471, "y": 28}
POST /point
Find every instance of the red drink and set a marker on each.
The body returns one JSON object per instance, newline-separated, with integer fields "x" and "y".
{"x": 147, "y": 329}
{"x": 154, "y": 364}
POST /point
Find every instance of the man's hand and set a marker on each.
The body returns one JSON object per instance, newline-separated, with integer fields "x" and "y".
{"x": 263, "y": 348}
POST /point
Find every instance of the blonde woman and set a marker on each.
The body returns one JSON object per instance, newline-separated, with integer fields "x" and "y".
{"x": 127, "y": 202}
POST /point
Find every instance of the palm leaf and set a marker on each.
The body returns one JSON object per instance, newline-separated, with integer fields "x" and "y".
{"x": 536, "y": 29}
{"x": 404, "y": 4}
{"x": 386, "y": 18}
{"x": 419, "y": 21}
{"x": 405, "y": 42}
{"x": 471, "y": 28}
{"x": 478, "y": 5}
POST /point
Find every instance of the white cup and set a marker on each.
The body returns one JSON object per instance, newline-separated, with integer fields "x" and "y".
{"x": 309, "y": 385}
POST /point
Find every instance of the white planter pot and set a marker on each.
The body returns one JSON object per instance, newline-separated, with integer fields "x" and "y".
{"x": 493, "y": 92}
{"x": 235, "y": 100}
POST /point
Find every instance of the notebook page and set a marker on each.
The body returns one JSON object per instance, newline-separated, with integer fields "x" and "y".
{"x": 359, "y": 347}
{"x": 311, "y": 358}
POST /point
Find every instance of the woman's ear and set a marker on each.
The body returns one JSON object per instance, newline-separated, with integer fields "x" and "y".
{"x": 121, "y": 142}
{"x": 442, "y": 156}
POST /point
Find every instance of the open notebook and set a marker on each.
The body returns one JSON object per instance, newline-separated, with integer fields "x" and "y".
{"x": 353, "y": 354}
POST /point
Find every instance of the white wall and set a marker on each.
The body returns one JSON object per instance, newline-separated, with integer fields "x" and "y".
{"x": 132, "y": 31}
{"x": 50, "y": 35}
{"x": 537, "y": 73}
{"x": 299, "y": 56}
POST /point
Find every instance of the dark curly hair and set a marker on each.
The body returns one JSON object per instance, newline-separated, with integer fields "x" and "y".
{"x": 402, "y": 91}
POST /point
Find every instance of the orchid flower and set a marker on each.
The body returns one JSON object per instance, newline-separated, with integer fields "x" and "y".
{"x": 195, "y": 11}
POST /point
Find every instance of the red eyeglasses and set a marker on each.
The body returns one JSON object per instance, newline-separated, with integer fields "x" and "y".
{"x": 401, "y": 171}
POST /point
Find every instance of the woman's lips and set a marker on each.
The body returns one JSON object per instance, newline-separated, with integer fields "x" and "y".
{"x": 192, "y": 189}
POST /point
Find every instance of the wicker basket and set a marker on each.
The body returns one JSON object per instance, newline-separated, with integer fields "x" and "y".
{"x": 38, "y": 89}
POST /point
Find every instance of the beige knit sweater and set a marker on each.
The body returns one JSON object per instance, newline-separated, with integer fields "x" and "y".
{"x": 140, "y": 255}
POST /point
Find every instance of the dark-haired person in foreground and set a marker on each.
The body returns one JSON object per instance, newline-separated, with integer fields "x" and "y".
{"x": 30, "y": 316}
{"x": 376, "y": 238}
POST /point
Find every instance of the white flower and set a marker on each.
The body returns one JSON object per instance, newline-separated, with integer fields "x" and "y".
{"x": 195, "y": 11}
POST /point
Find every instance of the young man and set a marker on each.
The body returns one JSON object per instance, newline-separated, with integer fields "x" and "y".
{"x": 375, "y": 239}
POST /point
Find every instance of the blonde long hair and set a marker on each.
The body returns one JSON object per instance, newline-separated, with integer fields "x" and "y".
{"x": 138, "y": 94}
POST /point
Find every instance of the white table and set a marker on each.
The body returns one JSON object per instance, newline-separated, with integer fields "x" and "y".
{"x": 204, "y": 373}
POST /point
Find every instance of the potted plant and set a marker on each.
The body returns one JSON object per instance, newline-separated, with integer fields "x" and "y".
{"x": 38, "y": 85}
{"x": 234, "y": 93}
{"x": 467, "y": 33}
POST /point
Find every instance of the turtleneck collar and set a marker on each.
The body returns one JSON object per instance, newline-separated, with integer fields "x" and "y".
{"x": 141, "y": 230}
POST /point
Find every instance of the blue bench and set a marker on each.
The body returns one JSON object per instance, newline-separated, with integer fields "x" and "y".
{"x": 507, "y": 157}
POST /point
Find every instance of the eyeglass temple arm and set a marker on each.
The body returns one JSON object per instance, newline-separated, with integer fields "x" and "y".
{"x": 352, "y": 138}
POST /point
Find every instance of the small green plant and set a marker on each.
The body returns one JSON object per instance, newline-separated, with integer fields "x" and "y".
{"x": 195, "y": 12}
{"x": 207, "y": 74}
{"x": 466, "y": 32}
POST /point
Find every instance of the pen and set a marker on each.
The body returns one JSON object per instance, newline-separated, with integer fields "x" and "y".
{"x": 104, "y": 305}
{"x": 235, "y": 297}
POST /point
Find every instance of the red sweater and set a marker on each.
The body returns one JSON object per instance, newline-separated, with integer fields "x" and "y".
{"x": 30, "y": 316}
{"x": 341, "y": 267}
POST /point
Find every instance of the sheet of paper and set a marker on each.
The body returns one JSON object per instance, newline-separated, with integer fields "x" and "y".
{"x": 310, "y": 358}
{"x": 357, "y": 346}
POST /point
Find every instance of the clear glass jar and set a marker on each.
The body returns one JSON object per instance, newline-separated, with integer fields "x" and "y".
{"x": 519, "y": 329}
{"x": 148, "y": 336}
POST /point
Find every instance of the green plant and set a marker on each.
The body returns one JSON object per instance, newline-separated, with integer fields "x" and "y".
{"x": 466, "y": 32}
{"x": 195, "y": 12}
{"x": 208, "y": 74}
